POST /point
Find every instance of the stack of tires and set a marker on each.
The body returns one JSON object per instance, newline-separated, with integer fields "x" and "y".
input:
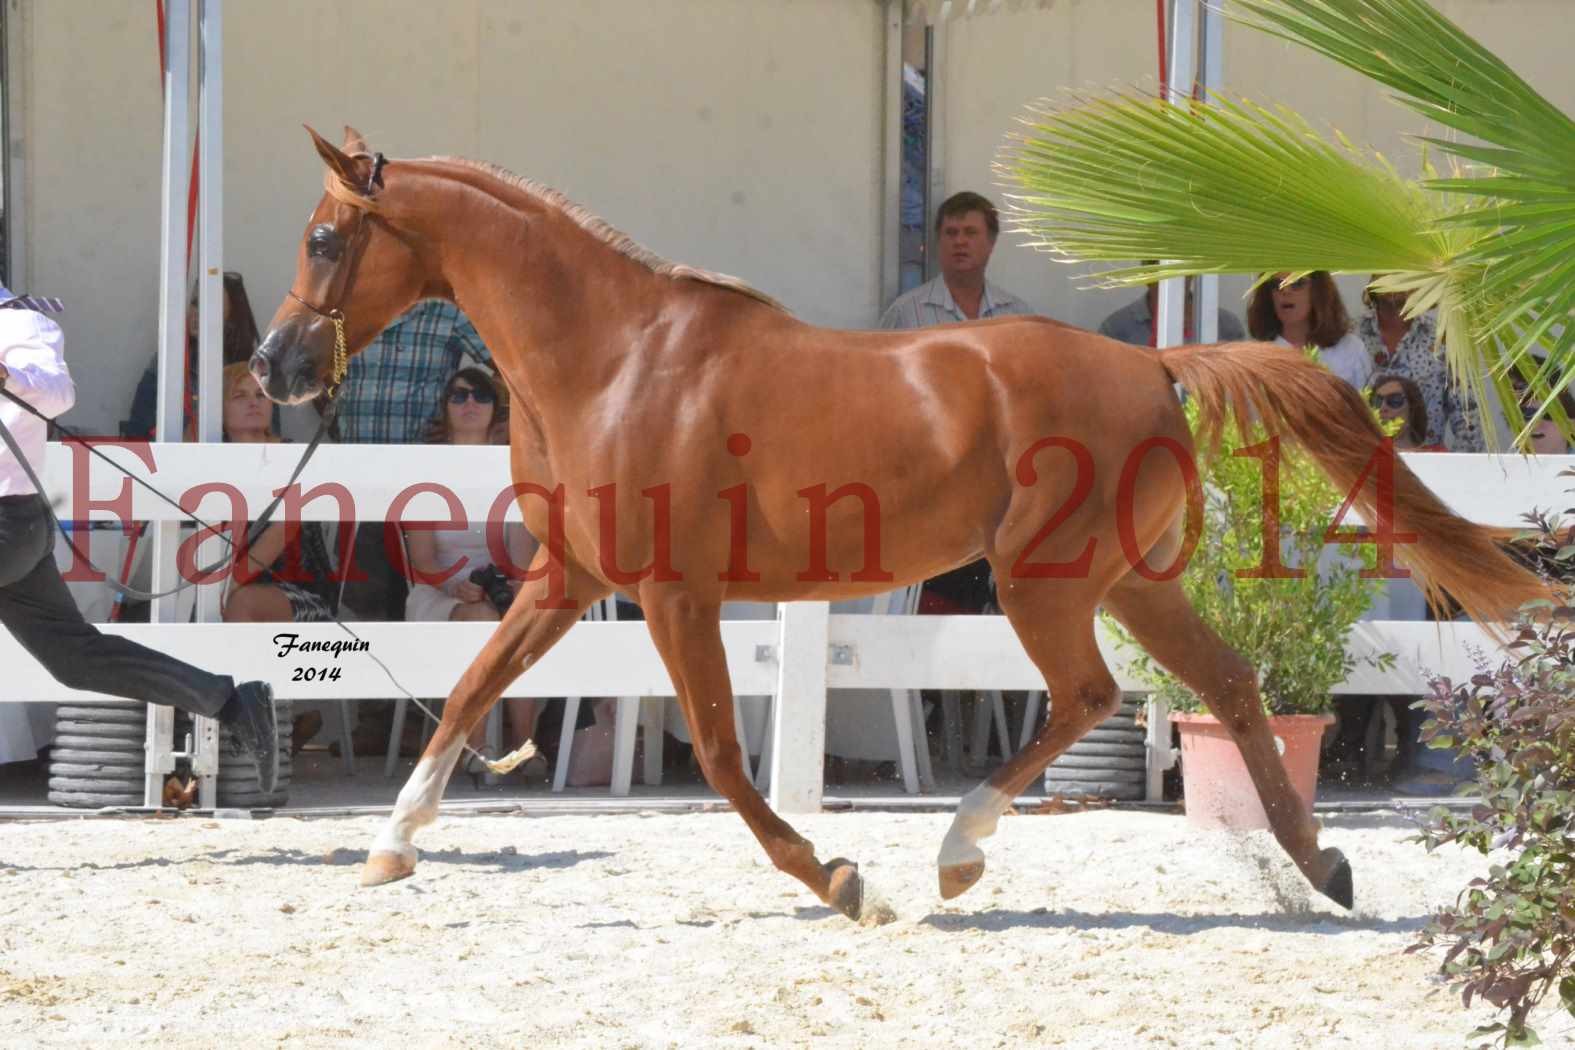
{"x": 97, "y": 759}
{"x": 1110, "y": 762}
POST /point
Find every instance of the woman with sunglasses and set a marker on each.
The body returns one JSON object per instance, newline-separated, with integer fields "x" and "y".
{"x": 470, "y": 406}
{"x": 1409, "y": 347}
{"x": 1544, "y": 439}
{"x": 1308, "y": 312}
{"x": 1395, "y": 397}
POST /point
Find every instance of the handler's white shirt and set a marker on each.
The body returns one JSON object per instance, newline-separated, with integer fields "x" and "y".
{"x": 31, "y": 349}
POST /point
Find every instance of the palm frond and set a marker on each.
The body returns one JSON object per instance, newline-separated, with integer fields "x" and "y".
{"x": 1228, "y": 187}
{"x": 1523, "y": 145}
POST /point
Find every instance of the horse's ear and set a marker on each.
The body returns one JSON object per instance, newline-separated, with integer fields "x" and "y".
{"x": 336, "y": 159}
{"x": 354, "y": 141}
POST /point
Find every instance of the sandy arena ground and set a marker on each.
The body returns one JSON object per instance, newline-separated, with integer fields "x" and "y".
{"x": 1101, "y": 930}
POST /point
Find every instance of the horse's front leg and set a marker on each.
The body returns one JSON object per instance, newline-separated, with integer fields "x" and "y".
{"x": 524, "y": 635}
{"x": 689, "y": 637}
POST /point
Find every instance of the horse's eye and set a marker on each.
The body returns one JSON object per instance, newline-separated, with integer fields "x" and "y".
{"x": 323, "y": 241}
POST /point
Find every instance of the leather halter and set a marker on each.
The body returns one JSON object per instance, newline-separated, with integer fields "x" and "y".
{"x": 346, "y": 271}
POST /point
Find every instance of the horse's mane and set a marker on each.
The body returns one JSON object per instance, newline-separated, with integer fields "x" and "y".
{"x": 609, "y": 235}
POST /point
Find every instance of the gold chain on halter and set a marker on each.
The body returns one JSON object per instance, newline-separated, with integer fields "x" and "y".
{"x": 341, "y": 353}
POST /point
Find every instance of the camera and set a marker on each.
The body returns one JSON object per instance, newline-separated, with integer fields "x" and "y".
{"x": 495, "y": 586}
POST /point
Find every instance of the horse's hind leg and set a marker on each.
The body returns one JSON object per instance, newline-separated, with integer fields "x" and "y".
{"x": 1163, "y": 622}
{"x": 520, "y": 640}
{"x": 1057, "y": 630}
{"x": 689, "y": 637}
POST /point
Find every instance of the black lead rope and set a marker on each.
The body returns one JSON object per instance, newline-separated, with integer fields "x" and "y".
{"x": 500, "y": 766}
{"x": 252, "y": 534}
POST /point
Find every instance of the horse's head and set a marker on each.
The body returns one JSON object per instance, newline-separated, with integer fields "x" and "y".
{"x": 354, "y": 274}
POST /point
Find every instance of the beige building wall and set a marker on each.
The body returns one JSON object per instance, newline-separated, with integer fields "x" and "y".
{"x": 740, "y": 135}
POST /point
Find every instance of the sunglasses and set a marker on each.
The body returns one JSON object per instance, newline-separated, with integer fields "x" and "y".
{"x": 1389, "y": 401}
{"x": 1294, "y": 286}
{"x": 460, "y": 394}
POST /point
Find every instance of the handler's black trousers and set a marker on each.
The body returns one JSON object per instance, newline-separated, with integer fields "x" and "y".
{"x": 37, "y": 609}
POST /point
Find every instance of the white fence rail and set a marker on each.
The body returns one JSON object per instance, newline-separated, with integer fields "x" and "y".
{"x": 617, "y": 659}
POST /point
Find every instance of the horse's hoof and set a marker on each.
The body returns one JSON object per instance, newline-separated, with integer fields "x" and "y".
{"x": 957, "y": 879}
{"x": 1337, "y": 886}
{"x": 846, "y": 891}
{"x": 383, "y": 867}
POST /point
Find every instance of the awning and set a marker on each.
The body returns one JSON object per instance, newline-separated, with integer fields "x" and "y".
{"x": 942, "y": 10}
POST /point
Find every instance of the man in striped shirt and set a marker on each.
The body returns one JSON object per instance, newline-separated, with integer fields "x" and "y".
{"x": 390, "y": 396}
{"x": 391, "y": 391}
{"x": 966, "y": 226}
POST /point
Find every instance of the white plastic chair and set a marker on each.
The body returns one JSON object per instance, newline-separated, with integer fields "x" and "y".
{"x": 627, "y": 718}
{"x": 991, "y": 712}
{"x": 396, "y": 732}
{"x": 907, "y": 708}
{"x": 648, "y": 717}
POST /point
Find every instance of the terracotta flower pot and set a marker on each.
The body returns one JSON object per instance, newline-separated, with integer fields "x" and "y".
{"x": 1219, "y": 792}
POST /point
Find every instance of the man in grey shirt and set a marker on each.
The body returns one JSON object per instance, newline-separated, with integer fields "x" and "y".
{"x": 1134, "y": 323}
{"x": 966, "y": 226}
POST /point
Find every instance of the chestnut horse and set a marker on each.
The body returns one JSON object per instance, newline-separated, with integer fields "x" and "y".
{"x": 727, "y": 435}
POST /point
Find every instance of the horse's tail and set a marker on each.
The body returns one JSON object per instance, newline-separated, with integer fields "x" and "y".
{"x": 1302, "y": 400}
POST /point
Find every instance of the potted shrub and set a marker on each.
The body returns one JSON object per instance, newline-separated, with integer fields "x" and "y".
{"x": 1292, "y": 630}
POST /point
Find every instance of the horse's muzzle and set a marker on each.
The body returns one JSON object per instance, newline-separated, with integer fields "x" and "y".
{"x": 285, "y": 370}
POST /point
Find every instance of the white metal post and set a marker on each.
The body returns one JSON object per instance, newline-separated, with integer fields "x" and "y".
{"x": 17, "y": 17}
{"x": 798, "y": 753}
{"x": 935, "y": 142}
{"x": 1170, "y": 327}
{"x": 1207, "y": 323}
{"x": 172, "y": 345}
{"x": 891, "y": 140}
{"x": 210, "y": 320}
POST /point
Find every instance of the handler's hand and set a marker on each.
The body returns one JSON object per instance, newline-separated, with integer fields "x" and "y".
{"x": 4, "y": 375}
{"x": 468, "y": 592}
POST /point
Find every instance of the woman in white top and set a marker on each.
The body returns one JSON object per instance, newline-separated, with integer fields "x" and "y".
{"x": 442, "y": 560}
{"x": 1308, "y": 312}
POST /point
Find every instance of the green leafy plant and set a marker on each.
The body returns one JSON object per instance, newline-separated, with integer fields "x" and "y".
{"x": 1509, "y": 938}
{"x": 1292, "y": 630}
{"x": 1230, "y": 186}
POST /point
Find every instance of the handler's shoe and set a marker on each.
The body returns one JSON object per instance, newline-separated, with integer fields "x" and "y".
{"x": 250, "y": 715}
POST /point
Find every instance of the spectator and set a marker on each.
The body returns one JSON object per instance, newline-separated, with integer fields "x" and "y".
{"x": 288, "y": 572}
{"x": 966, "y": 226}
{"x": 1544, "y": 439}
{"x": 442, "y": 561}
{"x": 1308, "y": 312}
{"x": 1410, "y": 349}
{"x": 387, "y": 398}
{"x": 1136, "y": 322}
{"x": 240, "y": 339}
{"x": 1397, "y": 397}
{"x": 388, "y": 393}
